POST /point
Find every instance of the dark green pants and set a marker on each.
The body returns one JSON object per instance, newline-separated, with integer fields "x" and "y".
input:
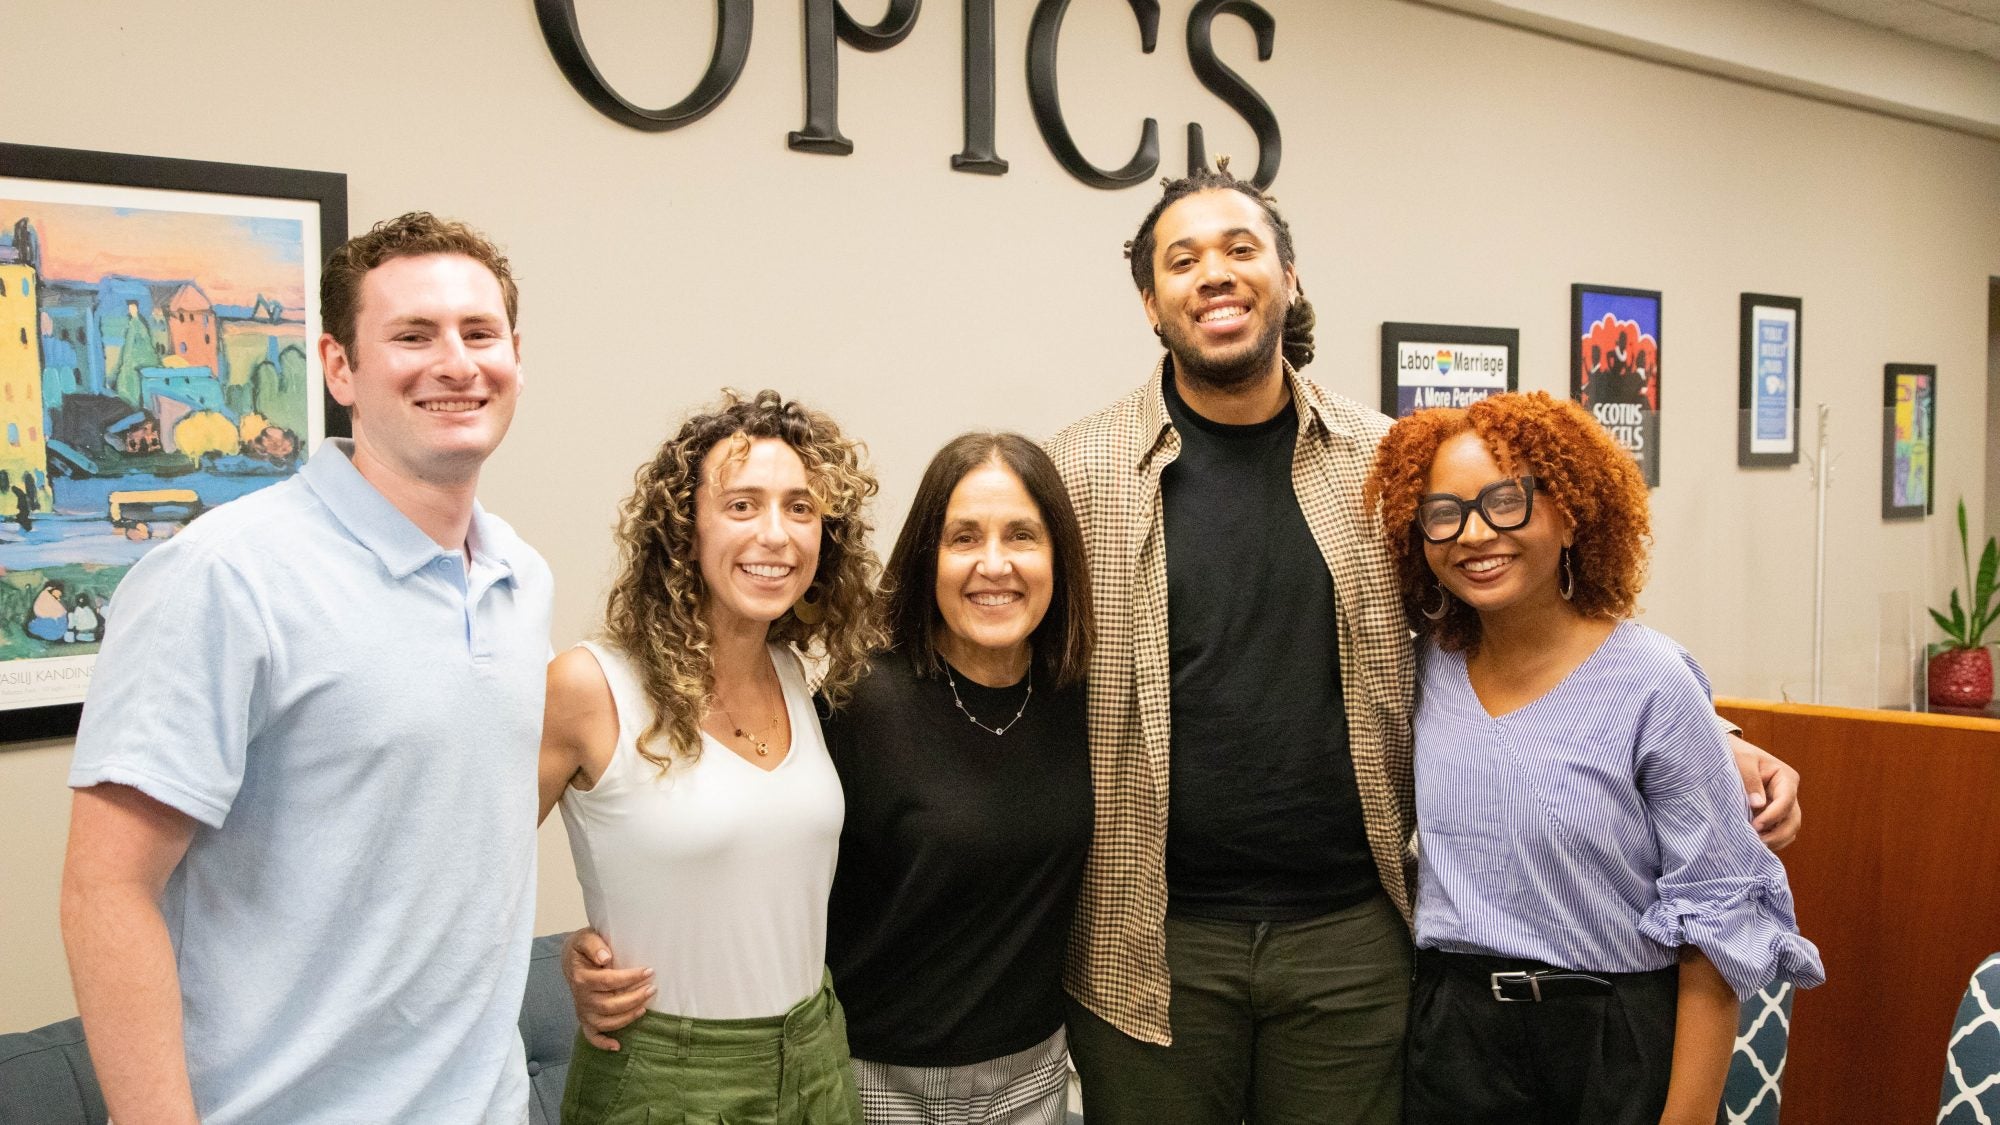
{"x": 1274, "y": 1023}
{"x": 670, "y": 1070}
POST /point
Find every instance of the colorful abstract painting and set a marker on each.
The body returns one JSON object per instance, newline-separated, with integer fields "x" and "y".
{"x": 1909, "y": 439}
{"x": 1615, "y": 366}
{"x": 157, "y": 359}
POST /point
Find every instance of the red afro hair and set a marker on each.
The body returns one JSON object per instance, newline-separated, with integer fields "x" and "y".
{"x": 1577, "y": 467}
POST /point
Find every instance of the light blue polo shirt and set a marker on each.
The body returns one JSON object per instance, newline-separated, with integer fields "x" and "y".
{"x": 353, "y": 717}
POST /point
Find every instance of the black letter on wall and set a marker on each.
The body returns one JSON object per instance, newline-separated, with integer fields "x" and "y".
{"x": 1042, "y": 36}
{"x": 978, "y": 155}
{"x": 824, "y": 19}
{"x": 725, "y": 65}
{"x": 1226, "y": 84}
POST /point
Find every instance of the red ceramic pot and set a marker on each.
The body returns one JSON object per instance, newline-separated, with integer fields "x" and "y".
{"x": 1961, "y": 677}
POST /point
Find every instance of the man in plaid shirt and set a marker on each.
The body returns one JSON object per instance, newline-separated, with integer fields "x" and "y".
{"x": 1242, "y": 951}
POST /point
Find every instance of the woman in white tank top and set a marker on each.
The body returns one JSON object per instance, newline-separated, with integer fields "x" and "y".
{"x": 703, "y": 811}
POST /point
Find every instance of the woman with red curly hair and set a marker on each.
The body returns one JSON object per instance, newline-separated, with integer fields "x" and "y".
{"x": 1581, "y": 839}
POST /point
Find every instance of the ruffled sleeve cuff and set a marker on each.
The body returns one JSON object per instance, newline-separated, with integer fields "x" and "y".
{"x": 1745, "y": 927}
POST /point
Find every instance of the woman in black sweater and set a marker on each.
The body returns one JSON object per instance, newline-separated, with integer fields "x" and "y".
{"x": 965, "y": 762}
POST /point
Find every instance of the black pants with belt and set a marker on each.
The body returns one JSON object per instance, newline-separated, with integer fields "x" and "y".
{"x": 1573, "y": 1060}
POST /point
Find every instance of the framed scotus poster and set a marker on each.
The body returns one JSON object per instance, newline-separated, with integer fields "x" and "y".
{"x": 163, "y": 321}
{"x": 1425, "y": 365}
{"x": 1614, "y": 367}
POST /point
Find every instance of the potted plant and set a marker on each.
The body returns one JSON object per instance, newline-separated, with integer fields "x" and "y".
{"x": 1961, "y": 670}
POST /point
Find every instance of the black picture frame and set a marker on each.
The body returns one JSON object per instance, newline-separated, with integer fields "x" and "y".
{"x": 1906, "y": 457}
{"x": 324, "y": 193}
{"x": 1770, "y": 373}
{"x": 1424, "y": 342}
{"x": 1616, "y": 344}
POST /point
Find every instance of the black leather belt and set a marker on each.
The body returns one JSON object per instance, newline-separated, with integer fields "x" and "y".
{"x": 1517, "y": 980}
{"x": 1545, "y": 984}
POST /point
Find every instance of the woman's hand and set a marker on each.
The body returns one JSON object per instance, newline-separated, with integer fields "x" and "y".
{"x": 606, "y": 998}
{"x": 1773, "y": 789}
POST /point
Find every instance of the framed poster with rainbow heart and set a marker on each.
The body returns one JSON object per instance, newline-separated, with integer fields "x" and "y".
{"x": 1426, "y": 365}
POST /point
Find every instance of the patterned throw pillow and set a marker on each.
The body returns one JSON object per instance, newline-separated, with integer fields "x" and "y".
{"x": 1971, "y": 1091}
{"x": 1757, "y": 1068}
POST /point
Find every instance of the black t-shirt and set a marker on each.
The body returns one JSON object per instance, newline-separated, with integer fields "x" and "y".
{"x": 1263, "y": 817}
{"x": 960, "y": 863}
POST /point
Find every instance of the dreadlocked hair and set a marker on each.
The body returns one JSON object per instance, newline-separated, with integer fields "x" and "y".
{"x": 1300, "y": 320}
{"x": 654, "y": 613}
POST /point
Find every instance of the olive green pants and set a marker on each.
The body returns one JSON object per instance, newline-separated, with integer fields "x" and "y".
{"x": 1274, "y": 1023}
{"x": 670, "y": 1070}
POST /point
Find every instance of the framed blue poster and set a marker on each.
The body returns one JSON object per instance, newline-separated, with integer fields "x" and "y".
{"x": 1767, "y": 395}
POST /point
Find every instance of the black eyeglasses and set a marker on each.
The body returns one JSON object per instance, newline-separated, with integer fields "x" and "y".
{"x": 1505, "y": 505}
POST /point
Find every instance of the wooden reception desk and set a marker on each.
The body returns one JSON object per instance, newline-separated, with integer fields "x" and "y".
{"x": 1897, "y": 877}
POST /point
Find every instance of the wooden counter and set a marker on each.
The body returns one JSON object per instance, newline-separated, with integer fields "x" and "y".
{"x": 1897, "y": 877}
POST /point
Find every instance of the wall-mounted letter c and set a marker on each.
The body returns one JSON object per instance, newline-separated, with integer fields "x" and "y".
{"x": 1043, "y": 34}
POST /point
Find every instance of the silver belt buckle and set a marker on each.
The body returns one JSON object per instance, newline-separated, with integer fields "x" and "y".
{"x": 1534, "y": 986}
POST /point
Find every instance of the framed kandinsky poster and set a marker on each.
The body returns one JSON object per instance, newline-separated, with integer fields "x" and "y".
{"x": 158, "y": 329}
{"x": 1909, "y": 439}
{"x": 1614, "y": 368}
{"x": 1425, "y": 365}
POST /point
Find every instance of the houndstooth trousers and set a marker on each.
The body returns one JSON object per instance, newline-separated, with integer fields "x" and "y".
{"x": 1028, "y": 1087}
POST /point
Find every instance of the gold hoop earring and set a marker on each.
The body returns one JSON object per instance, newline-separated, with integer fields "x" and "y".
{"x": 1444, "y": 604}
{"x": 809, "y": 609}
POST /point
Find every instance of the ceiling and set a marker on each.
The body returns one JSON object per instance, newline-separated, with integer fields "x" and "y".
{"x": 1969, "y": 25}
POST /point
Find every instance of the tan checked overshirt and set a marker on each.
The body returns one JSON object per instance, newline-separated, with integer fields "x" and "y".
{"x": 1112, "y": 462}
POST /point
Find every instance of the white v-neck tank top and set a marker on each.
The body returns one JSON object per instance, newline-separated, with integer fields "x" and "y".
{"x": 716, "y": 873}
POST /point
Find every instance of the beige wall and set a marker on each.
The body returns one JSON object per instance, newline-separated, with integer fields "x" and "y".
{"x": 1437, "y": 168}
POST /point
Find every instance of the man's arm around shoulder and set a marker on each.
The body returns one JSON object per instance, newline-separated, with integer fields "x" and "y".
{"x": 123, "y": 845}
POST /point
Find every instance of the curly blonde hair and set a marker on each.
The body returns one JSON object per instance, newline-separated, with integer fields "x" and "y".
{"x": 1577, "y": 467}
{"x": 654, "y": 612}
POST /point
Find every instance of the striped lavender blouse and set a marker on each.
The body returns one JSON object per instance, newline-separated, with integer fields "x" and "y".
{"x": 1598, "y": 828}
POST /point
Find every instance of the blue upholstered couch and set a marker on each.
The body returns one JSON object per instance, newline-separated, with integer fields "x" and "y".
{"x": 46, "y": 1077}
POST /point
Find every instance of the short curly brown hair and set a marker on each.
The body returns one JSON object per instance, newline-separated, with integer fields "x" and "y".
{"x": 1576, "y": 466}
{"x": 654, "y": 613}
{"x": 411, "y": 235}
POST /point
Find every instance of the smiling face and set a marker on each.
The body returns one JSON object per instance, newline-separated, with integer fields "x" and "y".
{"x": 995, "y": 570}
{"x": 757, "y": 532}
{"x": 1219, "y": 293}
{"x": 434, "y": 373}
{"x": 1494, "y": 572}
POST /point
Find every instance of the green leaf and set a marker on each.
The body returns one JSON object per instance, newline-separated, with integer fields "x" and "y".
{"x": 1979, "y": 634}
{"x": 1989, "y": 567}
{"x": 1964, "y": 547}
{"x": 1944, "y": 626}
{"x": 1958, "y": 622}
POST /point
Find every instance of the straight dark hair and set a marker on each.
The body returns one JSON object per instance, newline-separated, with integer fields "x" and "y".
{"x": 1061, "y": 643}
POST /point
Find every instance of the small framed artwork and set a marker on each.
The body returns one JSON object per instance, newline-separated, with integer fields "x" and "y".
{"x": 1768, "y": 377}
{"x": 1614, "y": 367}
{"x": 1425, "y": 365}
{"x": 159, "y": 322}
{"x": 1909, "y": 439}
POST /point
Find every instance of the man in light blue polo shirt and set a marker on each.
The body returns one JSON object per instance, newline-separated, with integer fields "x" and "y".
{"x": 300, "y": 876}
